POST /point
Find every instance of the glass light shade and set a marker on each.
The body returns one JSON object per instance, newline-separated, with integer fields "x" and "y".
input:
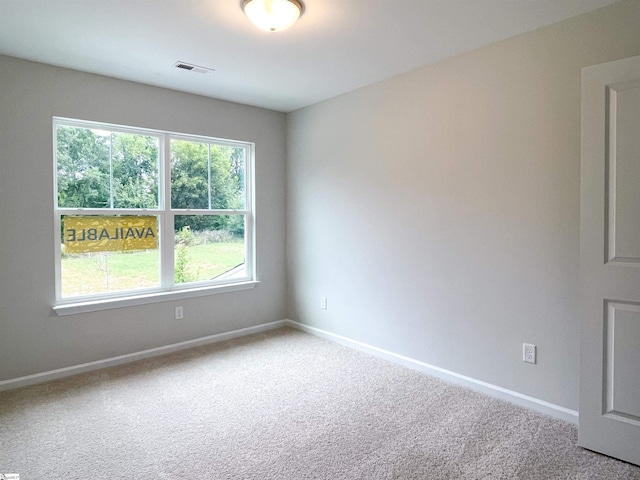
{"x": 272, "y": 15}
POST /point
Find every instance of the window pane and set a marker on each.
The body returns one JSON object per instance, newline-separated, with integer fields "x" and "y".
{"x": 83, "y": 167}
{"x": 207, "y": 175}
{"x": 104, "y": 169}
{"x": 103, "y": 254}
{"x": 135, "y": 171}
{"x": 227, "y": 177}
{"x": 209, "y": 247}
{"x": 189, "y": 174}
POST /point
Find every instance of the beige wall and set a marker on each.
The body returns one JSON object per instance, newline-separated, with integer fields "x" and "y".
{"x": 439, "y": 211}
{"x": 32, "y": 338}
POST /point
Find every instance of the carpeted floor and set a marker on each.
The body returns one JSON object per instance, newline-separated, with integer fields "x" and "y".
{"x": 280, "y": 405}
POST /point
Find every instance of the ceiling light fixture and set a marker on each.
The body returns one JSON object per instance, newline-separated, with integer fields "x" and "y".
{"x": 273, "y": 15}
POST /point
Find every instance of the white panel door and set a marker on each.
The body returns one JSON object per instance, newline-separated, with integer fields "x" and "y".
{"x": 610, "y": 260}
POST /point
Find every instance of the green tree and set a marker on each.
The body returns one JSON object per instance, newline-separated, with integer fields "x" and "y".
{"x": 135, "y": 171}
{"x": 204, "y": 176}
{"x": 237, "y": 159}
{"x": 189, "y": 175}
{"x": 83, "y": 168}
{"x": 94, "y": 168}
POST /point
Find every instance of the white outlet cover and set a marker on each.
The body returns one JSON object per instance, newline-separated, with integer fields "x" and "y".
{"x": 528, "y": 353}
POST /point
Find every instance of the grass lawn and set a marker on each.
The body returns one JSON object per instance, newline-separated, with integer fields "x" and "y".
{"x": 112, "y": 271}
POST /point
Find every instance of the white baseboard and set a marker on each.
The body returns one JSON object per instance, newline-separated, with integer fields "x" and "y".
{"x": 132, "y": 357}
{"x": 453, "y": 377}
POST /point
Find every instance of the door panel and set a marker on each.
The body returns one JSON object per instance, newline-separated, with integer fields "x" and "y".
{"x": 610, "y": 260}
{"x": 622, "y": 372}
{"x": 623, "y": 124}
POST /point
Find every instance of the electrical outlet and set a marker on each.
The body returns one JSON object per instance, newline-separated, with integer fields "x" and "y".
{"x": 528, "y": 353}
{"x": 179, "y": 313}
{"x": 323, "y": 303}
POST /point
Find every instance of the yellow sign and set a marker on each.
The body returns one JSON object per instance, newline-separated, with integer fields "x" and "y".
{"x": 110, "y": 234}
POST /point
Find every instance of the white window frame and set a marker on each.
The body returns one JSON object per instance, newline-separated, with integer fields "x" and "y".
{"x": 167, "y": 290}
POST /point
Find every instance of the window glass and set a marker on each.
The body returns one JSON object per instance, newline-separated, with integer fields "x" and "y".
{"x": 189, "y": 174}
{"x": 83, "y": 168}
{"x": 209, "y": 247}
{"x": 135, "y": 171}
{"x": 102, "y": 254}
{"x": 103, "y": 169}
{"x": 207, "y": 176}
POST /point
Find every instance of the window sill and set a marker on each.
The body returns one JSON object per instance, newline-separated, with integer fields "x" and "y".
{"x": 112, "y": 303}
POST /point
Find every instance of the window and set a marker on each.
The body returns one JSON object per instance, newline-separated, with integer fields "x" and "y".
{"x": 140, "y": 212}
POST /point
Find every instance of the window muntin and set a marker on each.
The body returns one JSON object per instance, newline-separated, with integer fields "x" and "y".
{"x": 197, "y": 190}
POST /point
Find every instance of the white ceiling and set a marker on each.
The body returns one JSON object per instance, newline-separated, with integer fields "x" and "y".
{"x": 335, "y": 47}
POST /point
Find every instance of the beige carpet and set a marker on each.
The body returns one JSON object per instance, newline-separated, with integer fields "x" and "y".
{"x": 280, "y": 405}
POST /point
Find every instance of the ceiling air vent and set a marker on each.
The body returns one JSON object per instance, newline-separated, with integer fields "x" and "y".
{"x": 193, "y": 68}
